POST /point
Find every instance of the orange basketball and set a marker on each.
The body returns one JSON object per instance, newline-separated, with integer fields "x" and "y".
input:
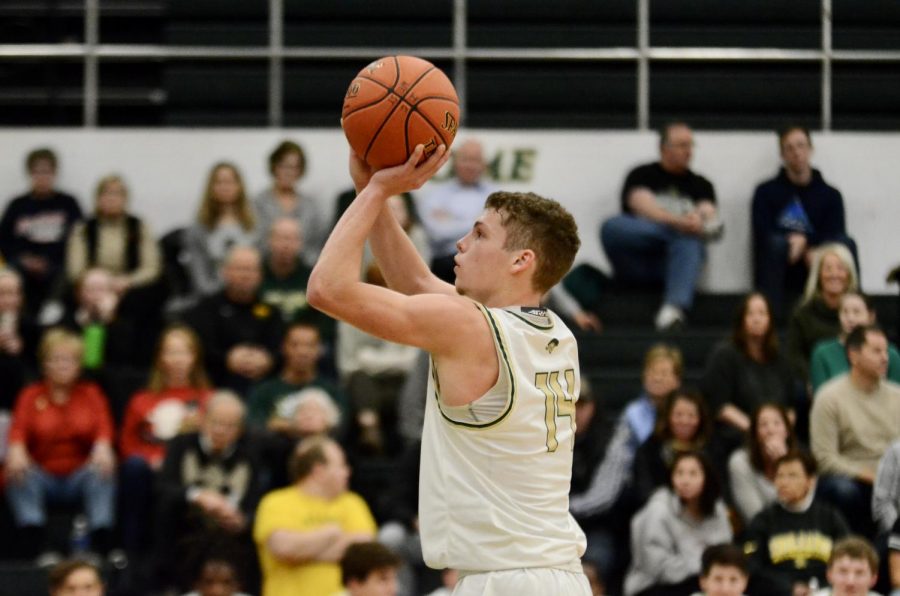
{"x": 396, "y": 103}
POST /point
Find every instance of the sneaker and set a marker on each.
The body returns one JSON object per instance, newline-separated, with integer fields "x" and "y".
{"x": 669, "y": 318}
{"x": 48, "y": 559}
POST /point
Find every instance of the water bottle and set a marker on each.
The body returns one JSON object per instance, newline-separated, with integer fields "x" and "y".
{"x": 80, "y": 540}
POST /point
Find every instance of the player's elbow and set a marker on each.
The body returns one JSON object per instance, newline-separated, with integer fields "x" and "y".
{"x": 318, "y": 291}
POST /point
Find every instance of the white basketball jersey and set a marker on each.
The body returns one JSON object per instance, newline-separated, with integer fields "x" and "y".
{"x": 495, "y": 474}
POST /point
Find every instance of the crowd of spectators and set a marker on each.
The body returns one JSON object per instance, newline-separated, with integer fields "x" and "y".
{"x": 205, "y": 429}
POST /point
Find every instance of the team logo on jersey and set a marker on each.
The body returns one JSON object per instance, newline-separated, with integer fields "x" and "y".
{"x": 551, "y": 345}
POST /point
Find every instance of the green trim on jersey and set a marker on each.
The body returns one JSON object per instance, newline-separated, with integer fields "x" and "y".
{"x": 512, "y": 380}
{"x": 529, "y": 320}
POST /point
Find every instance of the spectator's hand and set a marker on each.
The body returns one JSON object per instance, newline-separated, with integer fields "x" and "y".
{"x": 706, "y": 210}
{"x": 10, "y": 342}
{"x": 236, "y": 360}
{"x": 801, "y": 590}
{"x": 866, "y": 475}
{"x": 103, "y": 459}
{"x": 690, "y": 223}
{"x": 17, "y": 463}
{"x": 258, "y": 363}
{"x": 120, "y": 284}
{"x": 588, "y": 321}
{"x": 232, "y": 519}
{"x": 34, "y": 264}
{"x": 774, "y": 448}
{"x": 796, "y": 246}
{"x": 106, "y": 307}
{"x": 212, "y": 503}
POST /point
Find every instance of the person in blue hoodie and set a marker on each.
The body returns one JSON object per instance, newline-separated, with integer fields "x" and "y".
{"x": 793, "y": 213}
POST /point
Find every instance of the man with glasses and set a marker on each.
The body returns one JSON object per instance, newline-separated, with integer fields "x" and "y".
{"x": 668, "y": 212}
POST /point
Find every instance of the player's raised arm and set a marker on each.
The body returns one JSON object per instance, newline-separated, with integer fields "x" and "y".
{"x": 335, "y": 288}
{"x": 399, "y": 261}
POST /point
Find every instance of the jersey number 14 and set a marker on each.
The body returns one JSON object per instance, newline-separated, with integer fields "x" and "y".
{"x": 558, "y": 402}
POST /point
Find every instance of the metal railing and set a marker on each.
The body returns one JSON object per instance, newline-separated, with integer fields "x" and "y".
{"x": 642, "y": 53}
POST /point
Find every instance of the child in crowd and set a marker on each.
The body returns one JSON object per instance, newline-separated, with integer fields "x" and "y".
{"x": 852, "y": 569}
{"x": 723, "y": 571}
{"x": 369, "y": 569}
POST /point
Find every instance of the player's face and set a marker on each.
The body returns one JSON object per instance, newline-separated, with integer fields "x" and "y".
{"x": 380, "y": 582}
{"x": 796, "y": 151}
{"x": 688, "y": 479}
{"x": 833, "y": 276}
{"x": 723, "y": 581}
{"x": 81, "y": 582}
{"x": 854, "y": 312}
{"x": 756, "y": 319}
{"x": 481, "y": 258}
{"x": 850, "y": 577}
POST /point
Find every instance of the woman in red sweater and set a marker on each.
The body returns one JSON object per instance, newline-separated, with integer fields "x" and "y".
{"x": 60, "y": 446}
{"x": 178, "y": 390}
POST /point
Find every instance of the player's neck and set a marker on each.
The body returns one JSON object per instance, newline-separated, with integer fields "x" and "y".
{"x": 511, "y": 296}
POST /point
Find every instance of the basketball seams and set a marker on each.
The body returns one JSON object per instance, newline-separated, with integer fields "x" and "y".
{"x": 401, "y": 99}
{"x": 384, "y": 142}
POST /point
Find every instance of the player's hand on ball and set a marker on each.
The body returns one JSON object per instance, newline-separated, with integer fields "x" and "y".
{"x": 409, "y": 176}
{"x": 360, "y": 171}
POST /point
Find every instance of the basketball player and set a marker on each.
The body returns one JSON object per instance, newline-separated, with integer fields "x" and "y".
{"x": 499, "y": 421}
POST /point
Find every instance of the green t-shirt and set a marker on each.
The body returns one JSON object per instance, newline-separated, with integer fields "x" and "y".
{"x": 829, "y": 359}
{"x": 277, "y": 397}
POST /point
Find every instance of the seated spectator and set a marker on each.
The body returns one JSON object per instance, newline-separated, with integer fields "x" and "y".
{"x": 831, "y": 275}
{"x": 285, "y": 276}
{"x": 113, "y": 240}
{"x": 447, "y": 210}
{"x": 793, "y": 214}
{"x": 108, "y": 334}
{"x": 723, "y": 571}
{"x": 369, "y": 569}
{"x": 76, "y": 576}
{"x": 34, "y": 228}
{"x": 172, "y": 404}
{"x": 683, "y": 425}
{"x": 598, "y": 494}
{"x": 18, "y": 339}
{"x": 210, "y": 479}
{"x": 854, "y": 420}
{"x": 747, "y": 370}
{"x": 273, "y": 402}
{"x": 669, "y": 535}
{"x": 240, "y": 333}
{"x": 829, "y": 357}
{"x": 751, "y": 469}
{"x": 852, "y": 569}
{"x": 886, "y": 492}
{"x": 789, "y": 542}
{"x": 216, "y": 568}
{"x": 667, "y": 213}
{"x": 303, "y": 531}
{"x": 372, "y": 371}
{"x": 287, "y": 164}
{"x": 60, "y": 447}
{"x": 894, "y": 558}
{"x": 224, "y": 220}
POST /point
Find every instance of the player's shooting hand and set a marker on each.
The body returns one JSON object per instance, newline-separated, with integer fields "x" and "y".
{"x": 409, "y": 176}
{"x": 360, "y": 171}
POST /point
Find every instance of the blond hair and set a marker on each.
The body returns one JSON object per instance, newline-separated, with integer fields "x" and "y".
{"x": 57, "y": 337}
{"x": 813, "y": 288}
{"x": 197, "y": 377}
{"x": 210, "y": 209}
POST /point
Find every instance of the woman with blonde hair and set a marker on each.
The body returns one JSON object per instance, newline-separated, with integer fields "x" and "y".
{"x": 177, "y": 392}
{"x": 833, "y": 273}
{"x": 224, "y": 220}
{"x": 114, "y": 240}
{"x": 60, "y": 447}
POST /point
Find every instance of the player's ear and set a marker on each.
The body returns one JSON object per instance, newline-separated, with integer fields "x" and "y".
{"x": 524, "y": 259}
